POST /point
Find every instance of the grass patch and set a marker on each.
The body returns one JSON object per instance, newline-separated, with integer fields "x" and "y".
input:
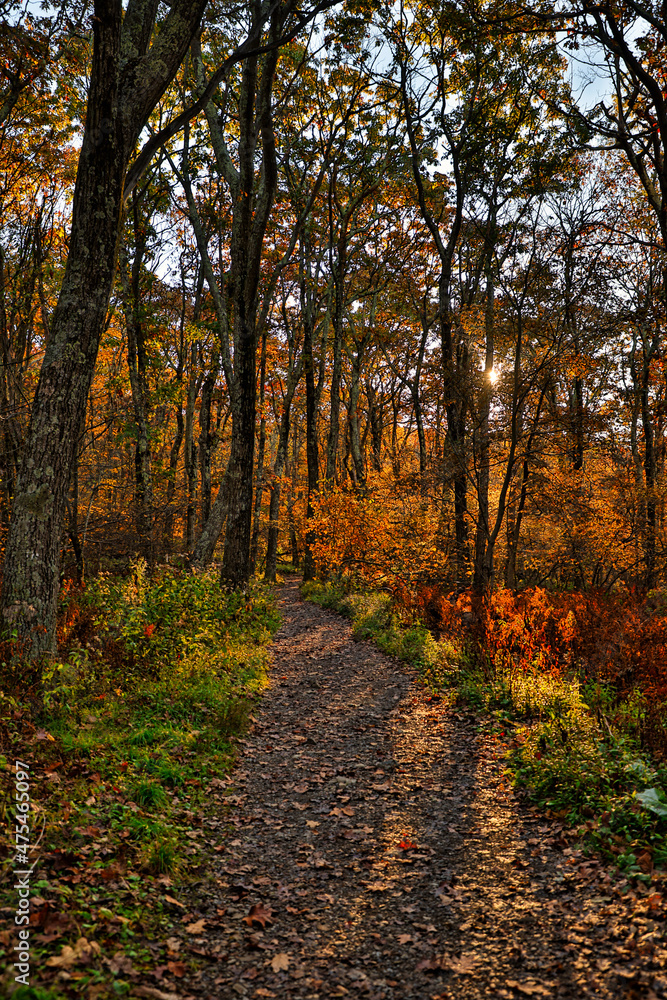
{"x": 127, "y": 736}
{"x": 373, "y": 618}
{"x": 573, "y": 746}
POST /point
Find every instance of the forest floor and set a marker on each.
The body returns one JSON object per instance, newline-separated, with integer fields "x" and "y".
{"x": 378, "y": 851}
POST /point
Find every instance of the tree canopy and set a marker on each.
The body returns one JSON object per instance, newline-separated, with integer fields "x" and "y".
{"x": 375, "y": 287}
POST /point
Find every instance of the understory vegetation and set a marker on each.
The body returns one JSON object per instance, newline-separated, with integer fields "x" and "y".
{"x": 580, "y": 720}
{"x": 127, "y": 734}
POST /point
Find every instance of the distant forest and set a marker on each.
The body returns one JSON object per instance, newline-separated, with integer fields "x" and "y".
{"x": 374, "y": 288}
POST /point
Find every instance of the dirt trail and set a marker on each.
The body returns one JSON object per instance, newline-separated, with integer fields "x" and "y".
{"x": 373, "y": 823}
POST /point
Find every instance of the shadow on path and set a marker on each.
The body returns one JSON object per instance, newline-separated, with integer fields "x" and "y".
{"x": 377, "y": 852}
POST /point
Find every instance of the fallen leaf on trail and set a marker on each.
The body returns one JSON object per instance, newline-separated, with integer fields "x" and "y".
{"x": 239, "y": 891}
{"x": 261, "y": 992}
{"x": 174, "y": 945}
{"x": 42, "y": 734}
{"x": 464, "y": 964}
{"x": 428, "y": 965}
{"x": 404, "y": 938}
{"x": 120, "y": 963}
{"x": 111, "y": 874}
{"x": 348, "y": 810}
{"x": 150, "y": 991}
{"x": 280, "y": 962}
{"x": 170, "y": 899}
{"x": 196, "y": 928}
{"x": 645, "y": 861}
{"x": 530, "y": 989}
{"x": 82, "y": 953}
{"x": 303, "y": 787}
{"x": 407, "y": 845}
{"x": 60, "y": 860}
{"x": 176, "y": 968}
{"x": 47, "y": 920}
{"x": 255, "y": 941}
{"x": 312, "y": 823}
{"x": 377, "y": 886}
{"x": 259, "y": 914}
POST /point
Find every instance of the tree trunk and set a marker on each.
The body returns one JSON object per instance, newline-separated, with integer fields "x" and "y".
{"x": 649, "y": 469}
{"x": 191, "y": 452}
{"x": 483, "y": 571}
{"x": 137, "y": 365}
{"x": 274, "y": 503}
{"x": 250, "y": 219}
{"x": 312, "y": 455}
{"x": 375, "y": 420}
{"x": 641, "y": 375}
{"x": 456, "y": 444}
{"x": 294, "y": 541}
{"x": 355, "y": 440}
{"x": 340, "y": 268}
{"x": 73, "y": 524}
{"x": 207, "y": 438}
{"x": 174, "y": 452}
{"x": 127, "y": 79}
{"x": 32, "y": 560}
{"x": 261, "y": 448}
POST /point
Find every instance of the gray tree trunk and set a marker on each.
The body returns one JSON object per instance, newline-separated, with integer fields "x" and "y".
{"x": 131, "y": 68}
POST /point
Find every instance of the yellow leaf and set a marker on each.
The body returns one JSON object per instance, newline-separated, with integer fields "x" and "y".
{"x": 82, "y": 953}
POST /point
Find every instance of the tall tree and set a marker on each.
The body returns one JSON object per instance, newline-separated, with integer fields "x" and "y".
{"x": 134, "y": 58}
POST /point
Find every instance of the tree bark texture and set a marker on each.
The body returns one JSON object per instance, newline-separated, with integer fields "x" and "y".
{"x": 208, "y": 437}
{"x": 138, "y": 373}
{"x": 293, "y": 380}
{"x": 250, "y": 218}
{"x": 261, "y": 449}
{"x": 127, "y": 79}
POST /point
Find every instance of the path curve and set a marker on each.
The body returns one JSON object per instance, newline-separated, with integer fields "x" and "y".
{"x": 377, "y": 852}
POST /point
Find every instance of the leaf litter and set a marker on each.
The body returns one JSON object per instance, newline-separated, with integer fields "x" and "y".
{"x": 421, "y": 874}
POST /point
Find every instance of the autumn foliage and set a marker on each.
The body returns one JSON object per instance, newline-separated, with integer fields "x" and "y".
{"x": 387, "y": 534}
{"x": 618, "y": 640}
{"x": 388, "y": 537}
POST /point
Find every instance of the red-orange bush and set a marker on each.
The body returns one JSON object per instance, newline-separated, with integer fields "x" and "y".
{"x": 619, "y": 639}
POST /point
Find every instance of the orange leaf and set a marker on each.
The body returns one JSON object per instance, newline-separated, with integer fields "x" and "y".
{"x": 259, "y": 914}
